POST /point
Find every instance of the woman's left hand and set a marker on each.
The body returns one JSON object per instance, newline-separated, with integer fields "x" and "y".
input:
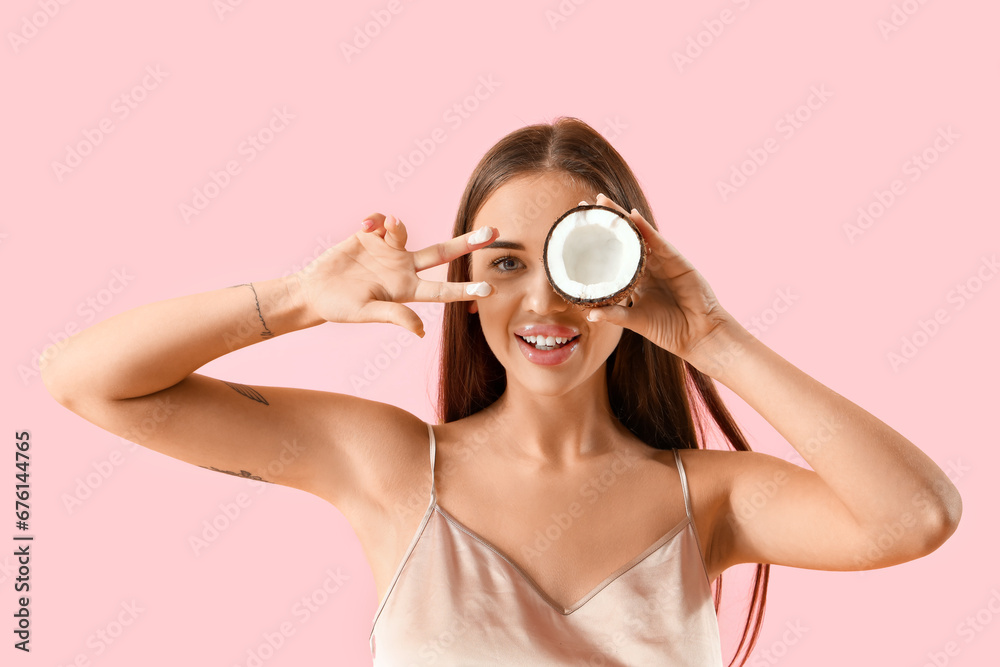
{"x": 672, "y": 304}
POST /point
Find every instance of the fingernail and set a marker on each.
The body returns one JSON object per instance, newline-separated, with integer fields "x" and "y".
{"x": 480, "y": 235}
{"x": 635, "y": 211}
{"x": 599, "y": 196}
{"x": 478, "y": 289}
{"x": 593, "y": 316}
{"x": 583, "y": 203}
{"x": 367, "y": 225}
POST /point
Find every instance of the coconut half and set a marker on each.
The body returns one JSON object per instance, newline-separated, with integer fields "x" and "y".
{"x": 594, "y": 256}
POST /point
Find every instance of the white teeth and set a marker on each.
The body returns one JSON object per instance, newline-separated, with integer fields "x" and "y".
{"x": 546, "y": 341}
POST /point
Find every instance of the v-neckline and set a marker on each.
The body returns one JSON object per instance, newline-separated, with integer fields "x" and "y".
{"x": 566, "y": 611}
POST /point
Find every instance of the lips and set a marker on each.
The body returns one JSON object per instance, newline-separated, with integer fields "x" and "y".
{"x": 547, "y": 357}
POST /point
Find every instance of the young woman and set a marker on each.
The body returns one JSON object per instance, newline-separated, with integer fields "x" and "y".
{"x": 565, "y": 510}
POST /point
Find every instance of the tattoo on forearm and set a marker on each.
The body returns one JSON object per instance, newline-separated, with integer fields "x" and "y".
{"x": 249, "y": 392}
{"x": 242, "y": 473}
{"x": 266, "y": 333}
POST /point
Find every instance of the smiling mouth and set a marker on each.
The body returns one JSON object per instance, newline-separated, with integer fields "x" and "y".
{"x": 540, "y": 345}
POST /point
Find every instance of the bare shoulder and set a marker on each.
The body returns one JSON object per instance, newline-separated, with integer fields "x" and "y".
{"x": 372, "y": 471}
{"x": 715, "y": 460}
{"x": 719, "y": 472}
{"x": 710, "y": 474}
{"x": 725, "y": 463}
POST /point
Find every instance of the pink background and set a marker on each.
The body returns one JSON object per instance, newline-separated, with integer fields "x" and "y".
{"x": 682, "y": 129}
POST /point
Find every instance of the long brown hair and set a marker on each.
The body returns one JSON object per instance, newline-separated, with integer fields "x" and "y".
{"x": 651, "y": 390}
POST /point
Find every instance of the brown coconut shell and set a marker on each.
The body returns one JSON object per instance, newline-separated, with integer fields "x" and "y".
{"x": 611, "y": 298}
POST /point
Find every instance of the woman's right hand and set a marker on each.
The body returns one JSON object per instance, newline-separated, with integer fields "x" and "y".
{"x": 368, "y": 276}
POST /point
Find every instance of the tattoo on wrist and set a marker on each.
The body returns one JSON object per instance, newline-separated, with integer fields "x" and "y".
{"x": 266, "y": 333}
{"x": 249, "y": 392}
{"x": 242, "y": 473}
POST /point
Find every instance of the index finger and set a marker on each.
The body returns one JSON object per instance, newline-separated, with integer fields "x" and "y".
{"x": 444, "y": 252}
{"x": 431, "y": 290}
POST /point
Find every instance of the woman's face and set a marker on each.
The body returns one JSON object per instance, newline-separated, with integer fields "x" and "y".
{"x": 522, "y": 211}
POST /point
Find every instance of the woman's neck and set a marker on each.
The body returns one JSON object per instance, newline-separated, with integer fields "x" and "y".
{"x": 556, "y": 431}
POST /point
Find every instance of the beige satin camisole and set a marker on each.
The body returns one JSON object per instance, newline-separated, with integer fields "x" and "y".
{"x": 457, "y": 600}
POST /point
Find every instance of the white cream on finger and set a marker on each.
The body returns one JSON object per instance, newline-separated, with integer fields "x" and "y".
{"x": 478, "y": 289}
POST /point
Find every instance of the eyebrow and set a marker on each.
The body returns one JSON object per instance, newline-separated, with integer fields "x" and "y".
{"x": 499, "y": 243}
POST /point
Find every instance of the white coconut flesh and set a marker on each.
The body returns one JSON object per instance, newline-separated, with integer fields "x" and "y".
{"x": 593, "y": 253}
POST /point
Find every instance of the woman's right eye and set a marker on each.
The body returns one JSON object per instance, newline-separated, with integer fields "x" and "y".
{"x": 498, "y": 262}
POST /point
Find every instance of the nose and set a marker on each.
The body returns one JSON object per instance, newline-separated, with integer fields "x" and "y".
{"x": 541, "y": 298}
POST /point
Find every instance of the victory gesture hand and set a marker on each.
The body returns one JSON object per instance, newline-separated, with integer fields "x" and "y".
{"x": 368, "y": 276}
{"x": 672, "y": 305}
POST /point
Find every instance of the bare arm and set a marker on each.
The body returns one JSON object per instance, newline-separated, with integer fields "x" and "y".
{"x": 133, "y": 374}
{"x": 157, "y": 345}
{"x": 872, "y": 499}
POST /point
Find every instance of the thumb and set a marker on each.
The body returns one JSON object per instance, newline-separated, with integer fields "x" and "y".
{"x": 393, "y": 313}
{"x": 613, "y": 314}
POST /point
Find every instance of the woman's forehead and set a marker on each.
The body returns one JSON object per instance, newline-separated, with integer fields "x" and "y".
{"x": 529, "y": 205}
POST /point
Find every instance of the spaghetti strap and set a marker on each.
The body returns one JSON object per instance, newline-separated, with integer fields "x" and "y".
{"x": 684, "y": 484}
{"x": 430, "y": 429}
